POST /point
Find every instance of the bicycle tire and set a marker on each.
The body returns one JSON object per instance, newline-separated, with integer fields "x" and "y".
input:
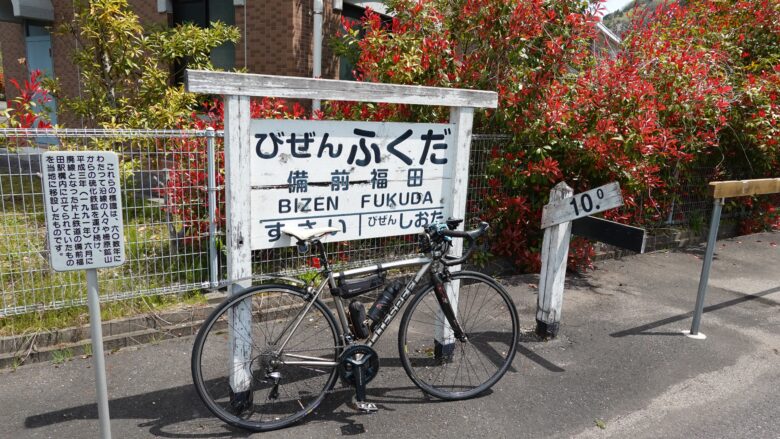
{"x": 489, "y": 318}
{"x": 298, "y": 389}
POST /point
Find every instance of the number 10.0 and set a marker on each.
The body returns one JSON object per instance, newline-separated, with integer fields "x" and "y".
{"x": 586, "y": 202}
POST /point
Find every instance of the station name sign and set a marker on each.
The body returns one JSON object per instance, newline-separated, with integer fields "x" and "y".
{"x": 367, "y": 179}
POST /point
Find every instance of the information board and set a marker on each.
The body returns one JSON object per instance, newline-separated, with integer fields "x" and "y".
{"x": 82, "y": 197}
{"x": 368, "y": 179}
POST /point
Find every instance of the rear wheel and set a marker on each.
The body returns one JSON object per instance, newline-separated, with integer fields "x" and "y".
{"x": 448, "y": 368}
{"x": 265, "y": 391}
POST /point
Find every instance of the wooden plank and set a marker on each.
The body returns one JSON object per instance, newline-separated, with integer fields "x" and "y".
{"x": 245, "y": 84}
{"x": 583, "y": 204}
{"x": 237, "y": 193}
{"x": 743, "y": 188}
{"x": 555, "y": 252}
{"x": 463, "y": 119}
{"x": 609, "y": 232}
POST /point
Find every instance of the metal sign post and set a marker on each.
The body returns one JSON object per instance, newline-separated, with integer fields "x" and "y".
{"x": 82, "y": 196}
{"x": 705, "y": 271}
{"x": 96, "y": 328}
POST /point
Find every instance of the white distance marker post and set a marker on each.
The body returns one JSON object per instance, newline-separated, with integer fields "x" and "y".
{"x": 556, "y": 222}
{"x": 82, "y": 196}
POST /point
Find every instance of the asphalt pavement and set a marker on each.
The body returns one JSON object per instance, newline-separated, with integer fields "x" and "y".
{"x": 620, "y": 368}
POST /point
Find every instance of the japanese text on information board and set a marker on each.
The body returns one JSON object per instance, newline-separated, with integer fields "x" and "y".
{"x": 83, "y": 210}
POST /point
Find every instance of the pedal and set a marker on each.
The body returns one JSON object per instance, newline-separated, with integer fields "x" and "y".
{"x": 365, "y": 406}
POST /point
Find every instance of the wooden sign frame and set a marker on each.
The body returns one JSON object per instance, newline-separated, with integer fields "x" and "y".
{"x": 237, "y": 89}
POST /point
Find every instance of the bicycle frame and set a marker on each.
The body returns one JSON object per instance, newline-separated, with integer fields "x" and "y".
{"x": 344, "y": 331}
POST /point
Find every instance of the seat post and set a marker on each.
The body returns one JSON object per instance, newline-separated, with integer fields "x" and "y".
{"x": 323, "y": 256}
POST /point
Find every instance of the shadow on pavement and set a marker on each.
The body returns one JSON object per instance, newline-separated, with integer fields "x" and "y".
{"x": 163, "y": 408}
{"x": 642, "y": 330}
{"x": 162, "y": 411}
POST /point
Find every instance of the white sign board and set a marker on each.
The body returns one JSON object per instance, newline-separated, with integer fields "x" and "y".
{"x": 583, "y": 204}
{"x": 83, "y": 202}
{"x": 368, "y": 179}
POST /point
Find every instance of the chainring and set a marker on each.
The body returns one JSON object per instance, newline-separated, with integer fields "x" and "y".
{"x": 358, "y": 354}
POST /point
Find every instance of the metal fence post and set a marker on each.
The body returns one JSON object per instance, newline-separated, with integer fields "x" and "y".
{"x": 211, "y": 141}
{"x": 705, "y": 270}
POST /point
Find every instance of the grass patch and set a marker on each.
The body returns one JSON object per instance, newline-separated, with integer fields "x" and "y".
{"x": 61, "y": 356}
{"x": 79, "y": 315}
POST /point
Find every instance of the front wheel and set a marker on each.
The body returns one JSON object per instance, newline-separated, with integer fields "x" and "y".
{"x": 243, "y": 374}
{"x": 445, "y": 367}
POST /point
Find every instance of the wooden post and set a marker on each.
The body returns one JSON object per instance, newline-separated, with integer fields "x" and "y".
{"x": 463, "y": 119}
{"x": 239, "y": 258}
{"x": 555, "y": 252}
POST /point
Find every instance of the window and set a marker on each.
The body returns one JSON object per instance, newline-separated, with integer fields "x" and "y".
{"x": 202, "y": 13}
{"x": 355, "y": 14}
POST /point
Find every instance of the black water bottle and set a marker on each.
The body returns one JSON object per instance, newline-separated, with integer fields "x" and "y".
{"x": 384, "y": 301}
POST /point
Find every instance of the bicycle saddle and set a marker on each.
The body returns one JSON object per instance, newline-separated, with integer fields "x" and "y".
{"x": 308, "y": 234}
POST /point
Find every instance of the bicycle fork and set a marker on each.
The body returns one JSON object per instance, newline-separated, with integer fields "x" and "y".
{"x": 443, "y": 348}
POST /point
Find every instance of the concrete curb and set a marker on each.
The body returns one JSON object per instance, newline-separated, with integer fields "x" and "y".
{"x": 119, "y": 333}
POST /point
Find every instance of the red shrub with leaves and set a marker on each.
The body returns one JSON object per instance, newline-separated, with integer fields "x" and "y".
{"x": 695, "y": 86}
{"x": 28, "y": 109}
{"x": 186, "y": 188}
{"x": 686, "y": 79}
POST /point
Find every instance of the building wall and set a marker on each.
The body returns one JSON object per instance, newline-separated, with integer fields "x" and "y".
{"x": 13, "y": 48}
{"x": 278, "y": 37}
{"x": 63, "y": 47}
{"x": 147, "y": 12}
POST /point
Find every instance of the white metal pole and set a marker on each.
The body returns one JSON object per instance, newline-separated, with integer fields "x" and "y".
{"x": 212, "y": 188}
{"x": 93, "y": 301}
{"x": 555, "y": 252}
{"x": 317, "y": 48}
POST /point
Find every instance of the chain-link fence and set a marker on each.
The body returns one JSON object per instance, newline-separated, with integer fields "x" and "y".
{"x": 174, "y": 242}
{"x": 159, "y": 258}
{"x": 165, "y": 195}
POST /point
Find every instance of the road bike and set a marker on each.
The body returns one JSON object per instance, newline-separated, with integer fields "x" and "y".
{"x": 267, "y": 356}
